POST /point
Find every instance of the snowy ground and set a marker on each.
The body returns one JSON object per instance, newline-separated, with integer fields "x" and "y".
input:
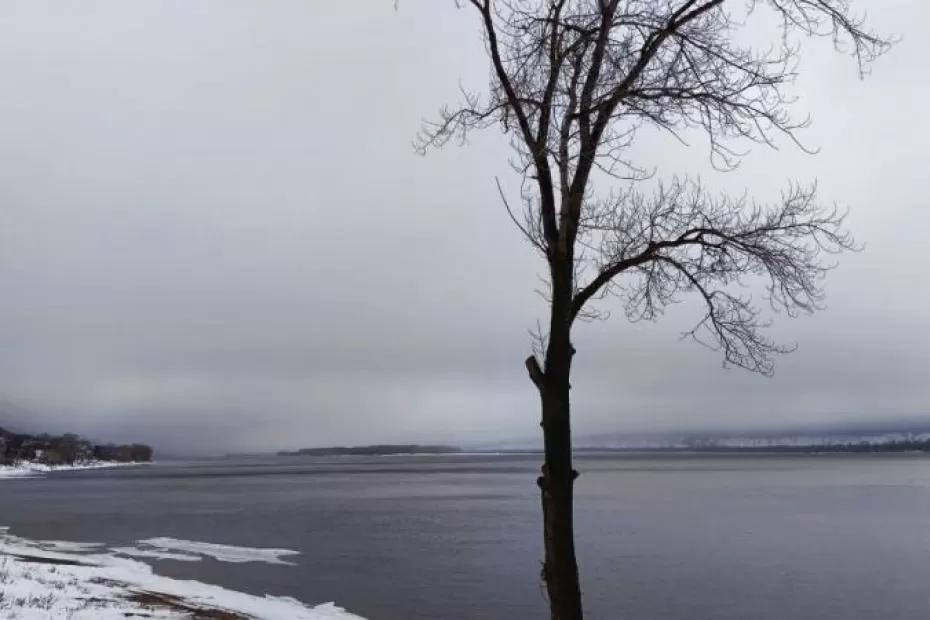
{"x": 84, "y": 581}
{"x": 26, "y": 469}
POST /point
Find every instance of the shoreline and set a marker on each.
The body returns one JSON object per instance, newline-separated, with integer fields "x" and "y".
{"x": 82, "y": 581}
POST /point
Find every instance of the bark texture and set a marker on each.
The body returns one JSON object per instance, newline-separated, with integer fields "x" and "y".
{"x": 557, "y": 479}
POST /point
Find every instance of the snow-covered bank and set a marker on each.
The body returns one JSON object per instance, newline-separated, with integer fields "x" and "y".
{"x": 26, "y": 469}
{"x": 56, "y": 579}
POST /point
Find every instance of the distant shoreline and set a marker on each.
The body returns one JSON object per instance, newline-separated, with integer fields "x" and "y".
{"x": 373, "y": 450}
{"x": 761, "y": 451}
{"x": 922, "y": 447}
{"x": 430, "y": 450}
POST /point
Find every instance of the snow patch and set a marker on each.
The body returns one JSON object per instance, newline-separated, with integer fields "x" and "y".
{"x": 223, "y": 553}
{"x": 136, "y": 552}
{"x": 66, "y": 546}
{"x": 26, "y": 469}
{"x": 15, "y": 471}
{"x": 37, "y": 582}
{"x": 45, "y": 549}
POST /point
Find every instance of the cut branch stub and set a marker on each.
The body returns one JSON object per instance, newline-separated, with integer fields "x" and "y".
{"x": 537, "y": 376}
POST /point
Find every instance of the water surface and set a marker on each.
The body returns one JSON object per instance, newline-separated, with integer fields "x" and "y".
{"x": 659, "y": 537}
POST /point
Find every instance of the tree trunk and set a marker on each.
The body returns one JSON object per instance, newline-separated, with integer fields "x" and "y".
{"x": 557, "y": 486}
{"x": 557, "y": 481}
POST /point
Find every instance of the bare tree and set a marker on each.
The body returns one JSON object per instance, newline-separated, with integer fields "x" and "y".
{"x": 571, "y": 82}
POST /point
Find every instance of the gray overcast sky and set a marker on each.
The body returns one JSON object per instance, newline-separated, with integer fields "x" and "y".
{"x": 215, "y": 234}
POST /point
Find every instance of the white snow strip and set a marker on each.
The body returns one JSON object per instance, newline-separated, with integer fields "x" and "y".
{"x": 85, "y": 465}
{"x": 135, "y": 552}
{"x": 26, "y": 469}
{"x": 15, "y": 471}
{"x": 223, "y": 553}
{"x": 50, "y": 584}
{"x": 66, "y": 546}
{"x": 48, "y": 549}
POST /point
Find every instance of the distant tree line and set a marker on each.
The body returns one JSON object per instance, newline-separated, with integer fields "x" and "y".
{"x": 67, "y": 449}
{"x": 380, "y": 450}
{"x": 909, "y": 444}
{"x": 902, "y": 445}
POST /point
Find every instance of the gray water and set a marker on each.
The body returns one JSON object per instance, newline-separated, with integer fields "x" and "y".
{"x": 659, "y": 537}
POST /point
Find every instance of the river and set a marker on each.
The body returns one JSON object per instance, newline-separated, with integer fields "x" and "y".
{"x": 430, "y": 537}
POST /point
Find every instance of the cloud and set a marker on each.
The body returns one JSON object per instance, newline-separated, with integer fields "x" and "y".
{"x": 215, "y": 231}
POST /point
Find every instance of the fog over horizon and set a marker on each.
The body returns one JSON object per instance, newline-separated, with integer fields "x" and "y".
{"x": 216, "y": 236}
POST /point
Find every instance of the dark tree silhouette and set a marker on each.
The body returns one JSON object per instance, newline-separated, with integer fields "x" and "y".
{"x": 571, "y": 83}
